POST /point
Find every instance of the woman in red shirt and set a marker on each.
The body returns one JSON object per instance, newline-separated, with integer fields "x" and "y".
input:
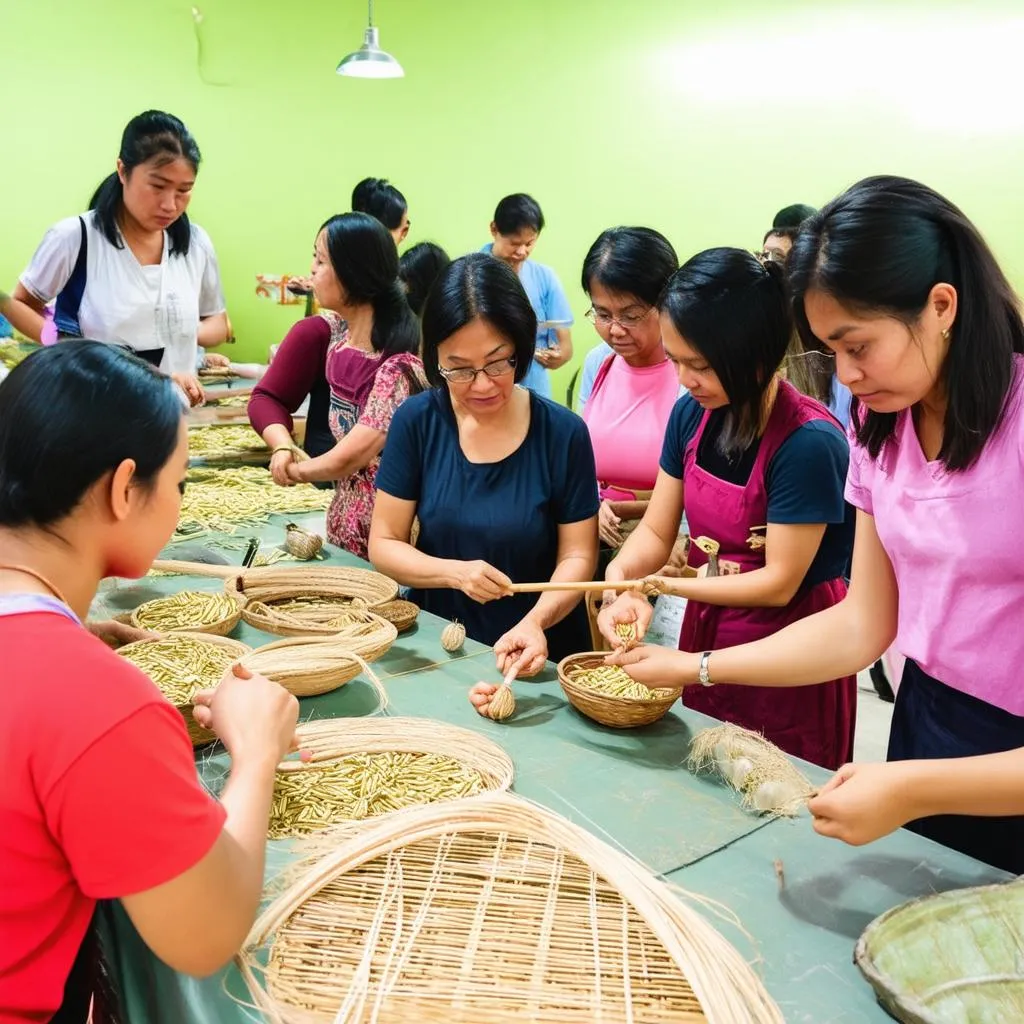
{"x": 99, "y": 797}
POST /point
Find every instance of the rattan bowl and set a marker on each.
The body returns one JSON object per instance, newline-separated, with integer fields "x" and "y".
{"x": 615, "y": 712}
{"x": 310, "y": 666}
{"x": 363, "y": 587}
{"x": 199, "y": 736}
{"x": 402, "y": 613}
{"x": 221, "y": 627}
{"x": 368, "y": 634}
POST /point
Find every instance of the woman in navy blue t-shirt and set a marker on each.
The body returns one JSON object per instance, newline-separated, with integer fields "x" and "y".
{"x": 502, "y": 480}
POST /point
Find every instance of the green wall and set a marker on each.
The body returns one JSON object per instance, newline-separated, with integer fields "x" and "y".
{"x": 700, "y": 119}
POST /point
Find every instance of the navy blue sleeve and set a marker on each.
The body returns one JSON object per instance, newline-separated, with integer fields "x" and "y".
{"x": 807, "y": 476}
{"x": 576, "y": 499}
{"x": 682, "y": 425}
{"x": 401, "y": 463}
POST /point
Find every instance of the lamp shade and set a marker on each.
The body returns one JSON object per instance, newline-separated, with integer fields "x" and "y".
{"x": 370, "y": 61}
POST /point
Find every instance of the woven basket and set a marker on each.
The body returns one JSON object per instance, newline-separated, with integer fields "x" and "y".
{"x": 616, "y": 712}
{"x": 402, "y": 613}
{"x": 490, "y": 909}
{"x": 363, "y": 587}
{"x": 199, "y": 736}
{"x": 951, "y": 957}
{"x": 311, "y": 666}
{"x": 328, "y": 741}
{"x": 219, "y": 628}
{"x": 367, "y": 634}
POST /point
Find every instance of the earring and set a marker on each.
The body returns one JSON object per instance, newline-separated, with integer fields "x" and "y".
{"x": 945, "y": 334}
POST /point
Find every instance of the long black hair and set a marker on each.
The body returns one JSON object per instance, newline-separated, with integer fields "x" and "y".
{"x": 474, "y": 287}
{"x": 72, "y": 412}
{"x": 419, "y": 267}
{"x": 365, "y": 259}
{"x": 155, "y": 136}
{"x": 630, "y": 261}
{"x": 732, "y": 309}
{"x": 380, "y": 199}
{"x": 880, "y": 248}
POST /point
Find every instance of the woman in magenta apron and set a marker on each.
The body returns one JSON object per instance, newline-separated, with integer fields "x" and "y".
{"x": 759, "y": 470}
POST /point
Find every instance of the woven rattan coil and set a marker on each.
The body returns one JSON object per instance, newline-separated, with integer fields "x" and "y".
{"x": 362, "y": 588}
{"x": 616, "y": 712}
{"x": 182, "y": 663}
{"x": 362, "y": 768}
{"x": 490, "y": 909}
{"x": 190, "y": 611}
{"x": 368, "y": 634}
{"x": 308, "y": 666}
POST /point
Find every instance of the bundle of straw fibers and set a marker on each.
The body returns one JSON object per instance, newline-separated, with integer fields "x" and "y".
{"x": 490, "y": 909}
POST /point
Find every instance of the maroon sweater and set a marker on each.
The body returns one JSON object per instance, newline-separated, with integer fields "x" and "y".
{"x": 297, "y": 371}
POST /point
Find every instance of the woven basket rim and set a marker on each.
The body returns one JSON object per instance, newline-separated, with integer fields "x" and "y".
{"x": 662, "y": 692}
{"x": 222, "y": 626}
{"x": 330, "y": 581}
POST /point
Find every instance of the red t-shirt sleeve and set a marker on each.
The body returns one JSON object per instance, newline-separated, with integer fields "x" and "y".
{"x": 129, "y": 813}
{"x": 292, "y": 374}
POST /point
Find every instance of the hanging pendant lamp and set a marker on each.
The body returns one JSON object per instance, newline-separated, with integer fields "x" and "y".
{"x": 370, "y": 61}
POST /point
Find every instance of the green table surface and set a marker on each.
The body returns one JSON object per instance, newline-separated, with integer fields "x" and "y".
{"x": 630, "y": 787}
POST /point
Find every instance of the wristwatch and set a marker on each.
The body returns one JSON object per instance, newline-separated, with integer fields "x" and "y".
{"x": 703, "y": 675}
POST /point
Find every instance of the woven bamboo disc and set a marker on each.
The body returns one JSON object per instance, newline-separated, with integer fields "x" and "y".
{"x": 402, "y": 613}
{"x": 950, "y": 957}
{"x": 363, "y": 588}
{"x": 616, "y": 712}
{"x": 190, "y": 611}
{"x": 177, "y": 652}
{"x": 307, "y": 666}
{"x": 490, "y": 909}
{"x": 364, "y": 767}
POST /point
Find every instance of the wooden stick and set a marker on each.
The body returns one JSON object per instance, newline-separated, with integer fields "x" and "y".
{"x": 224, "y": 572}
{"x": 578, "y": 587}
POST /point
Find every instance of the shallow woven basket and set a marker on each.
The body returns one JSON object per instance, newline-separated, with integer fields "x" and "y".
{"x": 363, "y": 587}
{"x": 311, "y": 666}
{"x": 366, "y": 633}
{"x": 199, "y": 736}
{"x": 402, "y": 613}
{"x": 490, "y": 909}
{"x": 616, "y": 712}
{"x": 329, "y": 740}
{"x": 220, "y": 628}
{"x": 951, "y": 957}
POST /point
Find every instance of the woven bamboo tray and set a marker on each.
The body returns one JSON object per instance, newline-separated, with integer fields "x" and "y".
{"x": 381, "y": 788}
{"x": 616, "y": 712}
{"x": 490, "y": 909}
{"x": 364, "y": 588}
{"x": 309, "y": 666}
{"x": 402, "y": 613}
{"x": 199, "y": 736}
{"x": 221, "y": 627}
{"x": 954, "y": 958}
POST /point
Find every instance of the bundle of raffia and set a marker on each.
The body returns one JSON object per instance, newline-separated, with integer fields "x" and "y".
{"x": 362, "y": 768}
{"x": 183, "y": 663}
{"x": 490, "y": 909}
{"x": 190, "y": 611}
{"x": 606, "y": 693}
{"x": 308, "y": 666}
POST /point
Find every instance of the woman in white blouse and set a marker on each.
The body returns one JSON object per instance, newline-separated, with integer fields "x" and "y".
{"x": 133, "y": 271}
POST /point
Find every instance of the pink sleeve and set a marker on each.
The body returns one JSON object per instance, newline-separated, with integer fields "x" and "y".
{"x": 390, "y": 390}
{"x": 130, "y": 813}
{"x": 290, "y": 377}
{"x": 859, "y": 478}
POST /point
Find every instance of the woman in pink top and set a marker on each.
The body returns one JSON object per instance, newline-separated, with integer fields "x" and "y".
{"x": 637, "y": 385}
{"x": 899, "y": 285}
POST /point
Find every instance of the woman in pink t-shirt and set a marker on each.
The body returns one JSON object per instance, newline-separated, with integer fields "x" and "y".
{"x": 899, "y": 285}
{"x": 637, "y": 385}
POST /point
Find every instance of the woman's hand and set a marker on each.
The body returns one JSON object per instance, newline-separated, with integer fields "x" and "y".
{"x": 214, "y": 359}
{"x": 608, "y": 524}
{"x": 294, "y": 471}
{"x": 189, "y": 383}
{"x": 657, "y": 666}
{"x": 863, "y": 802}
{"x": 252, "y": 716}
{"x": 482, "y": 582}
{"x": 525, "y": 646}
{"x": 629, "y": 608}
{"x": 480, "y": 695}
{"x": 119, "y": 632}
{"x": 279, "y": 464}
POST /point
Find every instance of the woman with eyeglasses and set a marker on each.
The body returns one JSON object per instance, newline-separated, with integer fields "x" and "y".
{"x": 760, "y": 469}
{"x": 636, "y": 385}
{"x": 502, "y": 480}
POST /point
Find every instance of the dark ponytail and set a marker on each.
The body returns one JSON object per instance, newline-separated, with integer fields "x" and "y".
{"x": 732, "y": 309}
{"x": 155, "y": 136}
{"x": 880, "y": 248}
{"x": 380, "y": 199}
{"x": 365, "y": 260}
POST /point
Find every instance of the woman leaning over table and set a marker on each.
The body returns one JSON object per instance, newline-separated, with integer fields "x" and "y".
{"x": 364, "y": 344}
{"x": 501, "y": 479}
{"x": 926, "y": 331}
{"x": 758, "y": 468}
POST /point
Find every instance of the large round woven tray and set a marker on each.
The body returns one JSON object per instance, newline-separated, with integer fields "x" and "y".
{"x": 332, "y": 740}
{"x": 199, "y": 736}
{"x": 954, "y": 958}
{"x": 221, "y": 627}
{"x": 363, "y": 587}
{"x": 490, "y": 909}
{"x": 616, "y": 712}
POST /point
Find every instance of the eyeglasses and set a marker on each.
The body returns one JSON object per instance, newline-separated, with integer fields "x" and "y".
{"x": 466, "y": 374}
{"x": 627, "y": 323}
